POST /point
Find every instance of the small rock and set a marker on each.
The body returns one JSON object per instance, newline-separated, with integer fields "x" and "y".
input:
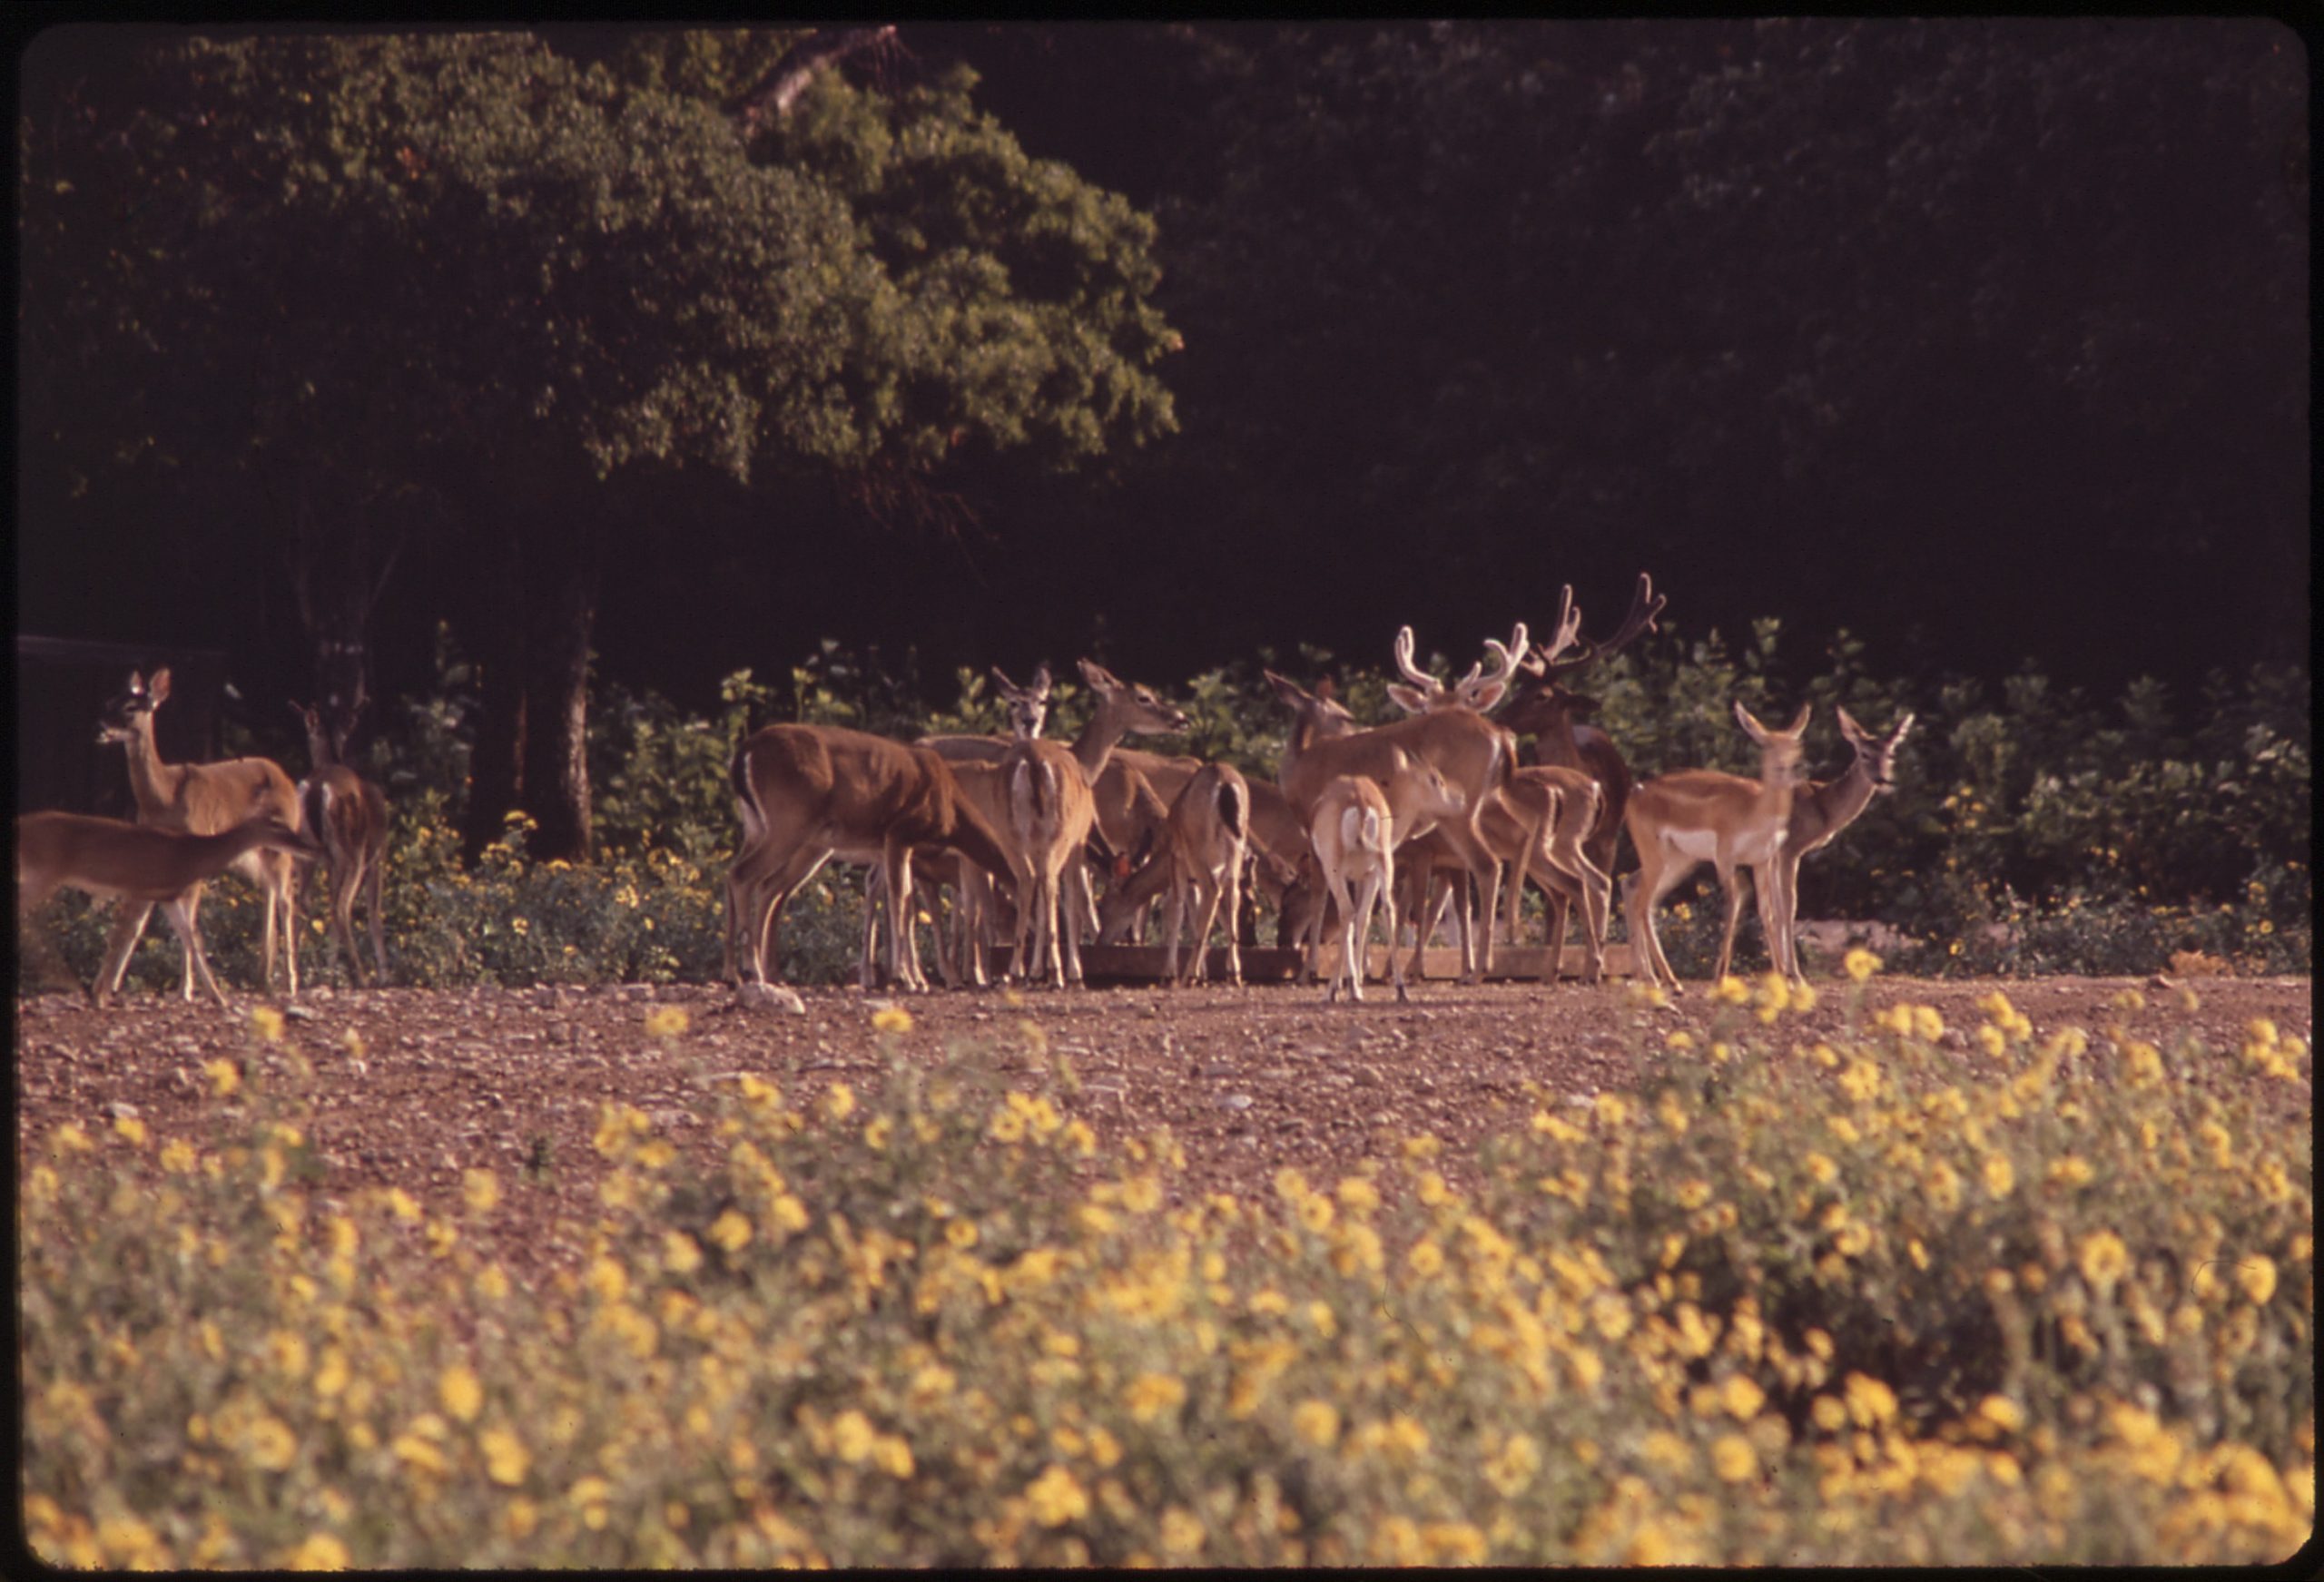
{"x": 299, "y": 1013}
{"x": 771, "y": 997}
{"x": 1235, "y": 1101}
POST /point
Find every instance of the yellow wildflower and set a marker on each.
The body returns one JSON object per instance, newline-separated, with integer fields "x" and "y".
{"x": 2257, "y": 1276}
{"x": 1860, "y": 964}
{"x": 266, "y": 1023}
{"x": 1732, "y": 1458}
{"x": 1056, "y": 1497}
{"x": 1152, "y": 1394}
{"x": 225, "y": 1076}
{"x": 891, "y": 1020}
{"x": 731, "y": 1230}
{"x": 506, "y": 1460}
{"x": 1317, "y": 1422}
{"x": 481, "y": 1188}
{"x": 665, "y": 1021}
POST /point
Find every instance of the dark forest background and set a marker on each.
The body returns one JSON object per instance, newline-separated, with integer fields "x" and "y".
{"x": 1984, "y": 339}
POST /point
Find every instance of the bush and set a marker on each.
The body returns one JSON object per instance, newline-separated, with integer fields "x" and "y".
{"x": 2014, "y": 1299}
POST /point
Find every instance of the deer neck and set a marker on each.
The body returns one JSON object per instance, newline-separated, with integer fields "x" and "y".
{"x": 157, "y": 786}
{"x": 1779, "y": 790}
{"x": 1097, "y": 742}
{"x": 1818, "y": 812}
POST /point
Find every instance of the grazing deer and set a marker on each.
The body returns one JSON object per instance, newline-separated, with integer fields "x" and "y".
{"x": 1544, "y": 708}
{"x": 145, "y": 866}
{"x": 1820, "y": 810}
{"x": 1355, "y": 827}
{"x": 1475, "y": 756}
{"x": 807, "y": 793}
{"x": 203, "y": 799}
{"x": 349, "y": 815}
{"x": 1678, "y": 819}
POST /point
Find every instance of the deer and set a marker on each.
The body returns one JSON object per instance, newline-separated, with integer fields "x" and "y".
{"x": 203, "y": 799}
{"x": 1356, "y": 826}
{"x": 1205, "y": 842}
{"x": 1526, "y": 819}
{"x": 144, "y": 866}
{"x": 1545, "y": 709}
{"x": 1679, "y": 819}
{"x": 1128, "y": 815}
{"x": 1475, "y": 755}
{"x": 807, "y": 793}
{"x": 349, "y": 815}
{"x": 1820, "y": 810}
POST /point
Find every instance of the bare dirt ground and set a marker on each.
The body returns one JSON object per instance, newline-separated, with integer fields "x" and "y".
{"x": 1248, "y": 1079}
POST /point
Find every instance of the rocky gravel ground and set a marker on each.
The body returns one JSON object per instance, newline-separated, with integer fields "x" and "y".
{"x": 1248, "y": 1079}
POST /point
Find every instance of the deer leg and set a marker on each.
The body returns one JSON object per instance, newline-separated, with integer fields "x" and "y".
{"x": 1387, "y": 882}
{"x": 180, "y": 916}
{"x": 875, "y": 898}
{"x": 1234, "y": 905}
{"x": 375, "y": 873}
{"x": 1083, "y": 904}
{"x": 767, "y": 894}
{"x": 285, "y": 870}
{"x": 128, "y": 924}
{"x": 1787, "y": 923}
{"x": 1731, "y": 892}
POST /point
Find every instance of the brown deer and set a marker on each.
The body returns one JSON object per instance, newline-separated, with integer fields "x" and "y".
{"x": 1356, "y": 825}
{"x": 807, "y": 793}
{"x": 1544, "y": 708}
{"x": 1689, "y": 815}
{"x": 144, "y": 866}
{"x": 1820, "y": 810}
{"x": 349, "y": 815}
{"x": 203, "y": 799}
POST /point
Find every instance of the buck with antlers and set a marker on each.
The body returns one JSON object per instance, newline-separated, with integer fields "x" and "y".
{"x": 1820, "y": 810}
{"x": 1475, "y": 756}
{"x": 1691, "y": 816}
{"x": 808, "y": 793}
{"x": 349, "y": 815}
{"x": 1536, "y": 823}
{"x": 1546, "y": 709}
{"x": 144, "y": 866}
{"x": 203, "y": 799}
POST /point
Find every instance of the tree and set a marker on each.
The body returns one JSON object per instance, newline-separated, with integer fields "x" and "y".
{"x": 488, "y": 281}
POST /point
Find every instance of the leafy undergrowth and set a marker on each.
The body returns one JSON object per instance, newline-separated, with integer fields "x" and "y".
{"x": 2045, "y": 1300}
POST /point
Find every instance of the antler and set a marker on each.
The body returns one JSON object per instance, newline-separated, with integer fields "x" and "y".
{"x": 1565, "y": 634}
{"x": 1510, "y": 657}
{"x": 1412, "y": 672}
{"x": 1645, "y": 605}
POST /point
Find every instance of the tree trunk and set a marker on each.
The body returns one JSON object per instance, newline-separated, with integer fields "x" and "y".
{"x": 563, "y": 598}
{"x": 497, "y": 767}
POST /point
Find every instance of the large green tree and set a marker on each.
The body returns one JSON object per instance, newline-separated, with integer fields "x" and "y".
{"x": 506, "y": 288}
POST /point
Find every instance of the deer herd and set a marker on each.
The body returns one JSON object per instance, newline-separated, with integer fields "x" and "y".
{"x": 1436, "y": 810}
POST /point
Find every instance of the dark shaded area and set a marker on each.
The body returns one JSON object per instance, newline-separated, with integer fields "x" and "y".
{"x": 1985, "y": 339}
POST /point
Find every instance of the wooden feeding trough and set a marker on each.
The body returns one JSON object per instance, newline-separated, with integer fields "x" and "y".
{"x": 1110, "y": 964}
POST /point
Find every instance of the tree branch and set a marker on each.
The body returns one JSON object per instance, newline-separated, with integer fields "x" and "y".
{"x": 780, "y": 88}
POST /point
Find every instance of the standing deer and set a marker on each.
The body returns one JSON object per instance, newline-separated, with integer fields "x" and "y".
{"x": 1691, "y": 816}
{"x": 807, "y": 793}
{"x": 1475, "y": 756}
{"x": 1204, "y": 842}
{"x": 1820, "y": 810}
{"x": 145, "y": 866}
{"x": 349, "y": 815}
{"x": 1128, "y": 814}
{"x": 203, "y": 799}
{"x": 1546, "y": 709}
{"x": 1356, "y": 825}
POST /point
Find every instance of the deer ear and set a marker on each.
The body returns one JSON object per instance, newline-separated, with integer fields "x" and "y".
{"x": 1289, "y": 691}
{"x": 1903, "y": 725}
{"x": 1849, "y": 728}
{"x": 1098, "y": 676}
{"x": 1486, "y": 696}
{"x": 1751, "y": 727}
{"x": 1799, "y": 724}
{"x": 1412, "y": 700}
{"x": 160, "y": 684}
{"x": 1041, "y": 679}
